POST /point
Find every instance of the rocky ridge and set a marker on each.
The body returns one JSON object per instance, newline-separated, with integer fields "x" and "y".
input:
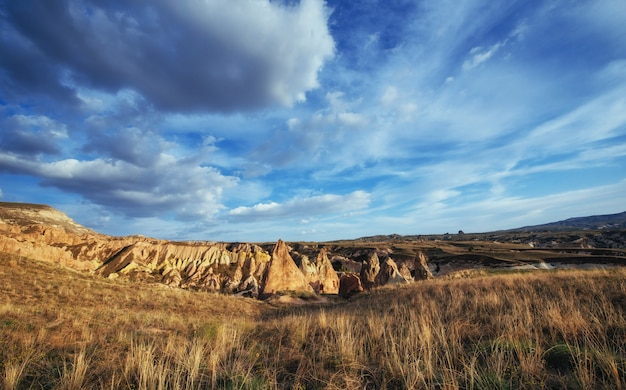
{"x": 41, "y": 232}
{"x": 263, "y": 269}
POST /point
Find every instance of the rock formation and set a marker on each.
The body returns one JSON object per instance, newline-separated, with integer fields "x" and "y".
{"x": 201, "y": 266}
{"x": 404, "y": 270}
{"x": 389, "y": 274}
{"x": 320, "y": 273}
{"x": 282, "y": 274}
{"x": 349, "y": 284}
{"x": 422, "y": 271}
{"x": 40, "y": 232}
{"x": 369, "y": 271}
{"x": 328, "y": 279}
{"x": 249, "y": 287}
{"x": 309, "y": 270}
{"x": 25, "y": 214}
{"x": 345, "y": 264}
{"x": 83, "y": 252}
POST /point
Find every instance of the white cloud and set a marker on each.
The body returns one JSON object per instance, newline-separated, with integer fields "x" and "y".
{"x": 390, "y": 95}
{"x": 408, "y": 110}
{"x": 336, "y": 101}
{"x": 480, "y": 55}
{"x": 519, "y": 33}
{"x": 302, "y": 207}
{"x": 418, "y": 111}
{"x": 319, "y": 137}
{"x": 169, "y": 186}
{"x": 496, "y": 210}
{"x": 351, "y": 119}
{"x": 293, "y": 123}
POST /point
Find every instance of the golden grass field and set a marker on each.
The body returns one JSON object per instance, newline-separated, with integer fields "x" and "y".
{"x": 60, "y": 329}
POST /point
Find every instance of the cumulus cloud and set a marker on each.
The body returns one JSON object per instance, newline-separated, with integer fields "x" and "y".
{"x": 184, "y": 55}
{"x": 169, "y": 186}
{"x": 32, "y": 135}
{"x": 302, "y": 207}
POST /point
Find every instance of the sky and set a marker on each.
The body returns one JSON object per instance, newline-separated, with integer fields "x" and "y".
{"x": 254, "y": 120}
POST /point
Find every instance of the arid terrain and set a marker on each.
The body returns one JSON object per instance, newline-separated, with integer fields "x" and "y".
{"x": 530, "y": 308}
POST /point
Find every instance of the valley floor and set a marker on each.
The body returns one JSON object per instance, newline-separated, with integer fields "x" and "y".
{"x": 539, "y": 329}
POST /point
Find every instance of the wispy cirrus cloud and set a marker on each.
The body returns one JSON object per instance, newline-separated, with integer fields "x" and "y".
{"x": 478, "y": 55}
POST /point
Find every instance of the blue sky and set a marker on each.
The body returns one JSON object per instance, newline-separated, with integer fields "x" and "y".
{"x": 255, "y": 120}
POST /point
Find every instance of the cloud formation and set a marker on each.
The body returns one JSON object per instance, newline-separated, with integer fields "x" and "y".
{"x": 254, "y": 119}
{"x": 169, "y": 185}
{"x": 302, "y": 207}
{"x": 184, "y": 55}
{"x": 480, "y": 55}
{"x": 32, "y": 135}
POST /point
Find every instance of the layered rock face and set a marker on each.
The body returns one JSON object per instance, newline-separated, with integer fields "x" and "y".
{"x": 203, "y": 266}
{"x": 25, "y": 214}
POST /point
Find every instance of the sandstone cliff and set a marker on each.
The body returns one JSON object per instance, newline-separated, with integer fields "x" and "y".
{"x": 40, "y": 232}
{"x": 231, "y": 268}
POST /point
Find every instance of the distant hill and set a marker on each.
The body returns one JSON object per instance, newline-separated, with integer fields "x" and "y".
{"x": 24, "y": 214}
{"x": 603, "y": 223}
{"x": 595, "y": 222}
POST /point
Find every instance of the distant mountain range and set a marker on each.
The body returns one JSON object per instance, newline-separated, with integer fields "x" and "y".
{"x": 595, "y": 222}
{"x": 605, "y": 223}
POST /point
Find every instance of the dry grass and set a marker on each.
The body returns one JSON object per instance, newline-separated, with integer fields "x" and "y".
{"x": 61, "y": 329}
